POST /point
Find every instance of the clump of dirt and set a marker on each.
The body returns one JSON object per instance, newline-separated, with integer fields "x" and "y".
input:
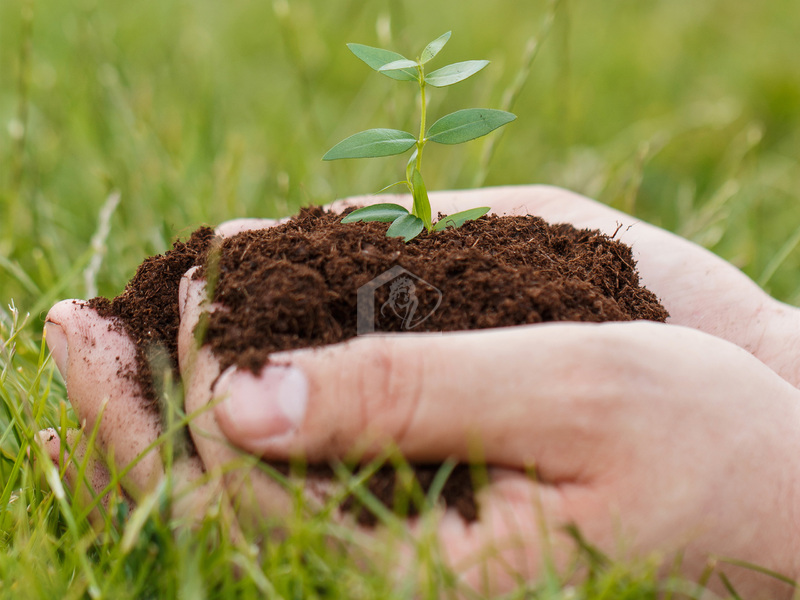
{"x": 147, "y": 310}
{"x": 312, "y": 281}
{"x": 296, "y": 285}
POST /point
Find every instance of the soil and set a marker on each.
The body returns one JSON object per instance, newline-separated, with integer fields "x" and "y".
{"x": 148, "y": 311}
{"x": 297, "y": 284}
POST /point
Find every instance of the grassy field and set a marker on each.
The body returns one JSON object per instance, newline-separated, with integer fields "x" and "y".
{"x": 684, "y": 113}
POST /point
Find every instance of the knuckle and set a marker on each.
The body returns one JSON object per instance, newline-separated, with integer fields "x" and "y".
{"x": 389, "y": 387}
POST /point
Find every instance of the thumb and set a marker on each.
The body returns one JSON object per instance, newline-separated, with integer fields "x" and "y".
{"x": 532, "y": 394}
{"x": 255, "y": 493}
{"x": 94, "y": 355}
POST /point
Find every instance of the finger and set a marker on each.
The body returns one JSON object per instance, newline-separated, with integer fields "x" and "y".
{"x": 231, "y": 228}
{"x": 435, "y": 396}
{"x": 554, "y": 395}
{"x": 528, "y": 528}
{"x": 96, "y": 357}
{"x": 510, "y": 394}
{"x": 71, "y": 456}
{"x": 255, "y": 493}
{"x": 521, "y": 534}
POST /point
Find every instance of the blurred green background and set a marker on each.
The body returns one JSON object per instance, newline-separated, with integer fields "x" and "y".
{"x": 684, "y": 112}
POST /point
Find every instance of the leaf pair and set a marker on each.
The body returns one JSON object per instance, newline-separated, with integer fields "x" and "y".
{"x": 455, "y": 128}
{"x": 443, "y": 77}
{"x": 403, "y": 223}
{"x": 406, "y": 225}
{"x": 399, "y": 67}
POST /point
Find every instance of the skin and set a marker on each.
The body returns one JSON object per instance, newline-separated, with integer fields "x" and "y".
{"x": 649, "y": 437}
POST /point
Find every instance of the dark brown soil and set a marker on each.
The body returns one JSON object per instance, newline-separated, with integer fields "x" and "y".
{"x": 296, "y": 285}
{"x": 148, "y": 310}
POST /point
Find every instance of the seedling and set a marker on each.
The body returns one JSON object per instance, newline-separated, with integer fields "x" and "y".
{"x": 455, "y": 128}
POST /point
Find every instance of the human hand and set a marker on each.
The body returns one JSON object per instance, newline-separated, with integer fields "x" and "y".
{"x": 95, "y": 358}
{"x": 650, "y": 424}
{"x": 657, "y": 252}
{"x": 647, "y": 437}
{"x": 100, "y": 363}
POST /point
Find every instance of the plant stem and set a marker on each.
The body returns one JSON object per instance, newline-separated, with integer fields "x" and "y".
{"x": 421, "y": 139}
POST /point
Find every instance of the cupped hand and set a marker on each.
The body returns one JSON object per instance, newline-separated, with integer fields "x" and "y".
{"x": 657, "y": 437}
{"x": 699, "y": 289}
{"x": 93, "y": 356}
{"x": 96, "y": 359}
{"x": 676, "y": 450}
{"x": 647, "y": 437}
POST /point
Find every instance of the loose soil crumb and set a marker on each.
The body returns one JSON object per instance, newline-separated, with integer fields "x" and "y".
{"x": 297, "y": 284}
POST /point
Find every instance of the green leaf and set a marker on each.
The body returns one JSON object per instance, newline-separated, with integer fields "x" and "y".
{"x": 372, "y": 143}
{"x": 454, "y": 73}
{"x": 398, "y": 65}
{"x": 434, "y": 47}
{"x": 391, "y": 185}
{"x": 377, "y": 57}
{"x": 456, "y": 220}
{"x": 465, "y": 125}
{"x": 385, "y": 213}
{"x": 422, "y": 206}
{"x": 407, "y": 227}
{"x": 410, "y": 165}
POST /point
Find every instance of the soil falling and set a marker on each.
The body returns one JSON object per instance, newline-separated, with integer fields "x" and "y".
{"x": 312, "y": 281}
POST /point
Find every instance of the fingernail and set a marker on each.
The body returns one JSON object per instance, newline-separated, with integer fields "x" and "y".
{"x": 183, "y": 290}
{"x": 57, "y": 342}
{"x": 265, "y": 406}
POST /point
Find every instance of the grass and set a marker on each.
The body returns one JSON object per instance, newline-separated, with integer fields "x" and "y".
{"x": 125, "y": 125}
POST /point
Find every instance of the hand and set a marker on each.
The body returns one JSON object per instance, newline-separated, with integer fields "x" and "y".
{"x": 93, "y": 356}
{"x": 648, "y": 437}
{"x": 725, "y": 304}
{"x": 678, "y": 437}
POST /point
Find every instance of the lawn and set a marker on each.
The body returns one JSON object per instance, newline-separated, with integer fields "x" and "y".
{"x": 124, "y": 126}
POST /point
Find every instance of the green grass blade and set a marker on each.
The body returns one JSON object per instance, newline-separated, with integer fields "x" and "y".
{"x": 390, "y": 186}
{"x": 20, "y": 275}
{"x": 759, "y": 569}
{"x": 780, "y": 257}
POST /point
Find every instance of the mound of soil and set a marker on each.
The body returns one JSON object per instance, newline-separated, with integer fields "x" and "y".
{"x": 312, "y": 281}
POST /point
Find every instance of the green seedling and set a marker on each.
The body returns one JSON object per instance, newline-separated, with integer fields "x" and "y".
{"x": 455, "y": 128}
